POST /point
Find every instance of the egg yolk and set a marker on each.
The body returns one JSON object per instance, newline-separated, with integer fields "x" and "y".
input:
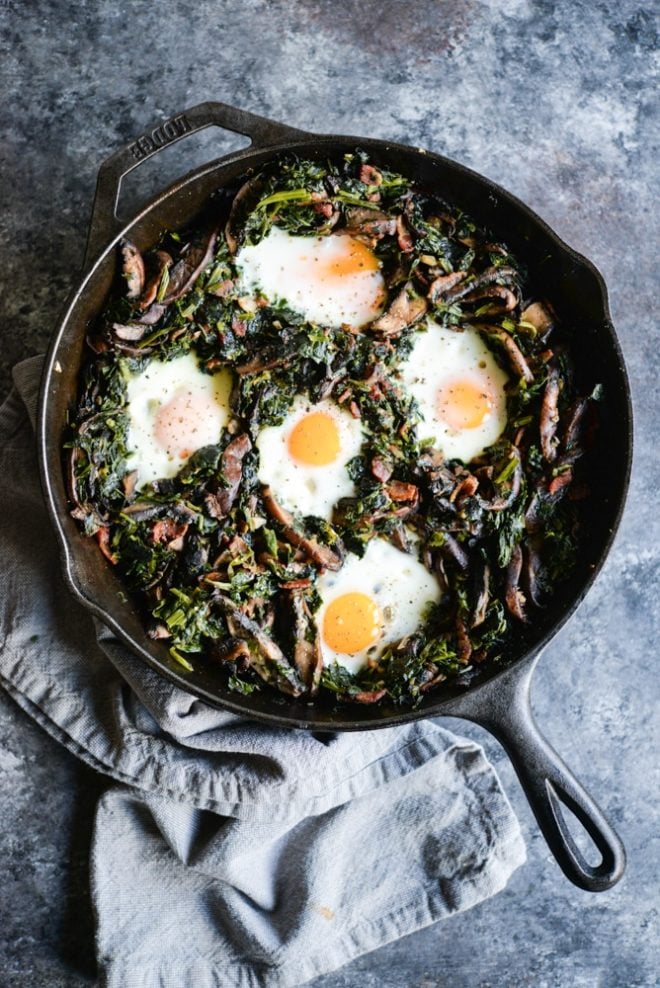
{"x": 464, "y": 404}
{"x": 351, "y": 623}
{"x": 187, "y": 422}
{"x": 353, "y": 258}
{"x": 314, "y": 440}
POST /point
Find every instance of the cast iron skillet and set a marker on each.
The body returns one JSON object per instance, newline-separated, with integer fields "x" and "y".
{"x": 499, "y": 698}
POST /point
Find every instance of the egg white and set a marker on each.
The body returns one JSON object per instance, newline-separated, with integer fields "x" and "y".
{"x": 401, "y": 587}
{"x": 309, "y": 490}
{"x": 293, "y": 269}
{"x": 439, "y": 356}
{"x": 202, "y": 408}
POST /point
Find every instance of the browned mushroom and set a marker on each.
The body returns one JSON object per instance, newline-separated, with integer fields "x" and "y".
{"x": 267, "y": 659}
{"x": 508, "y": 298}
{"x": 322, "y": 555}
{"x": 538, "y": 315}
{"x": 550, "y": 416}
{"x": 151, "y": 315}
{"x": 403, "y": 234}
{"x": 220, "y": 499}
{"x": 513, "y": 595}
{"x": 169, "y": 531}
{"x": 132, "y": 269}
{"x": 162, "y": 262}
{"x": 103, "y": 539}
{"x": 482, "y": 594}
{"x": 444, "y": 283}
{"x": 513, "y": 351}
{"x": 130, "y": 332}
{"x": 307, "y": 656}
{"x": 463, "y": 643}
{"x": 369, "y": 225}
{"x": 502, "y": 501}
{"x": 406, "y": 309}
{"x": 505, "y": 276}
{"x": 188, "y": 268}
{"x": 246, "y": 196}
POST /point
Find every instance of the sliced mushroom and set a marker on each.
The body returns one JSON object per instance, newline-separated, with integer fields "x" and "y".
{"x": 130, "y": 332}
{"x": 322, "y": 555}
{"x": 444, "y": 283}
{"x": 220, "y": 499}
{"x": 307, "y": 656}
{"x": 463, "y": 643}
{"x": 505, "y": 276}
{"x": 513, "y": 595}
{"x": 245, "y": 197}
{"x": 406, "y": 309}
{"x": 268, "y": 659}
{"x": 187, "y": 270}
{"x": 162, "y": 261}
{"x": 370, "y": 224}
{"x": 513, "y": 351}
{"x": 132, "y": 269}
{"x": 481, "y": 579}
{"x": 538, "y": 315}
{"x": 550, "y": 416}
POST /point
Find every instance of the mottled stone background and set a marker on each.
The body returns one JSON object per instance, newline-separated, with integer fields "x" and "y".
{"x": 557, "y": 102}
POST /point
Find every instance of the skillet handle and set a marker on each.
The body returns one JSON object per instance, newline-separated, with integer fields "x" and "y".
{"x": 104, "y": 224}
{"x": 550, "y": 786}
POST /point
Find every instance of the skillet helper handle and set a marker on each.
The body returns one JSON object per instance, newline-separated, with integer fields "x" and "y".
{"x": 550, "y": 786}
{"x": 104, "y": 224}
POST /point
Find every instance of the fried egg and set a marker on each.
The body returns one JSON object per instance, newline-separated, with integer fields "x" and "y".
{"x": 174, "y": 409}
{"x": 304, "y": 458}
{"x": 334, "y": 280}
{"x": 459, "y": 388}
{"x": 372, "y": 602}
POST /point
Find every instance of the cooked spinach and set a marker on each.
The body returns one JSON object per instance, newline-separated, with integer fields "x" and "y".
{"x": 226, "y": 576}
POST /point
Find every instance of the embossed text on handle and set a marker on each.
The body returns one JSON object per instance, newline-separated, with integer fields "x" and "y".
{"x": 160, "y": 136}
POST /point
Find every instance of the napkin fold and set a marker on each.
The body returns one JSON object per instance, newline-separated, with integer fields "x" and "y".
{"x": 228, "y": 853}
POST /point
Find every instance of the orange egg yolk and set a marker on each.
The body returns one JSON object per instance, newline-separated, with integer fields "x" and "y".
{"x": 187, "y": 422}
{"x": 314, "y": 440}
{"x": 464, "y": 404}
{"x": 351, "y": 623}
{"x": 353, "y": 258}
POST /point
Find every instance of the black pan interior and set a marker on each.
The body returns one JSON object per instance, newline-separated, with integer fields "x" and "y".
{"x": 555, "y": 271}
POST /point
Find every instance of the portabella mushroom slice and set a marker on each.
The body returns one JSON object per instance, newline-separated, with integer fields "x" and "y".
{"x": 132, "y": 269}
{"x": 406, "y": 309}
{"x": 444, "y": 283}
{"x": 550, "y": 416}
{"x": 513, "y": 595}
{"x": 322, "y": 555}
{"x": 307, "y": 656}
{"x": 504, "y": 275}
{"x": 518, "y": 363}
{"x": 220, "y": 499}
{"x": 163, "y": 262}
{"x": 538, "y": 315}
{"x": 187, "y": 270}
{"x": 245, "y": 197}
{"x": 129, "y": 332}
{"x": 369, "y": 224}
{"x": 267, "y": 658}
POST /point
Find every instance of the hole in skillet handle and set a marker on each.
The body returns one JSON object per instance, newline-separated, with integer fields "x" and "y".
{"x": 503, "y": 708}
{"x": 260, "y": 132}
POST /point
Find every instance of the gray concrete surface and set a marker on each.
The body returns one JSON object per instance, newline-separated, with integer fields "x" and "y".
{"x": 557, "y": 102}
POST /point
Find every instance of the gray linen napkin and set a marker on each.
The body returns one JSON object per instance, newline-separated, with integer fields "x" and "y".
{"x": 227, "y": 853}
